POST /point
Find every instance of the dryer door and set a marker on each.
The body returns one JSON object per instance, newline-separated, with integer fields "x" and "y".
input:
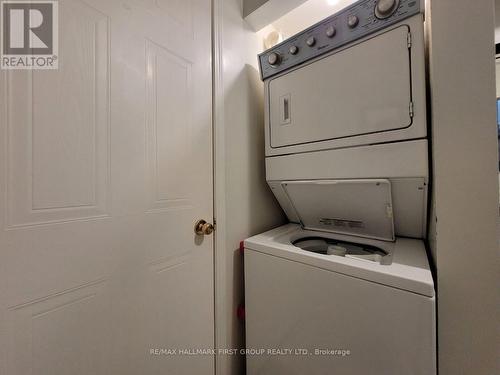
{"x": 361, "y": 90}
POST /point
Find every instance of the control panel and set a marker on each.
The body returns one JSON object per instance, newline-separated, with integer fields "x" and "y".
{"x": 354, "y": 22}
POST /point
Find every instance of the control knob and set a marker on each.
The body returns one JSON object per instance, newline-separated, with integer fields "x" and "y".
{"x": 274, "y": 59}
{"x": 386, "y": 8}
{"x": 352, "y": 21}
{"x": 311, "y": 41}
{"x": 330, "y": 31}
{"x": 293, "y": 50}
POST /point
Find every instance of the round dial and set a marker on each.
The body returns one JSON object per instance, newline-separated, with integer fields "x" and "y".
{"x": 274, "y": 58}
{"x": 311, "y": 41}
{"x": 330, "y": 31}
{"x": 352, "y": 21}
{"x": 293, "y": 50}
{"x": 386, "y": 8}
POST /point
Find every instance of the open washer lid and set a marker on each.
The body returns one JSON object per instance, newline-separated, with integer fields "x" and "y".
{"x": 355, "y": 207}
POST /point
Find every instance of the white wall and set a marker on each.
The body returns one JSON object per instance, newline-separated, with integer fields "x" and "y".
{"x": 307, "y": 14}
{"x": 251, "y": 5}
{"x": 248, "y": 205}
{"x": 497, "y": 21}
{"x": 259, "y": 13}
{"x": 466, "y": 185}
{"x": 497, "y": 65}
{"x": 497, "y": 72}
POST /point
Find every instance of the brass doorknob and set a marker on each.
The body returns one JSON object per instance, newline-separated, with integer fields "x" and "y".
{"x": 202, "y": 228}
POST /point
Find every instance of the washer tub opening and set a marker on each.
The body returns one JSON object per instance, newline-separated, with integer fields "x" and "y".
{"x": 332, "y": 247}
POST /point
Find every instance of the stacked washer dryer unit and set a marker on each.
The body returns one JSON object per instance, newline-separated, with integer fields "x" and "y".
{"x": 347, "y": 283}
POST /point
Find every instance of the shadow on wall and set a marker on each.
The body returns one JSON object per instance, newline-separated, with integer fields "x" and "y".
{"x": 245, "y": 164}
{"x": 250, "y": 205}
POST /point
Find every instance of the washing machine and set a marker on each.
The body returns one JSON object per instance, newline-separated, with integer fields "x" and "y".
{"x": 345, "y": 288}
{"x": 319, "y": 303}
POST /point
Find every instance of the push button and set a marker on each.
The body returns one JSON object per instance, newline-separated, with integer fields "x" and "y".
{"x": 311, "y": 41}
{"x": 352, "y": 21}
{"x": 386, "y": 8}
{"x": 330, "y": 31}
{"x": 273, "y": 59}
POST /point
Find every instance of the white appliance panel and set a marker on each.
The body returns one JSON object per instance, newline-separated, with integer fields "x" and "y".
{"x": 404, "y": 164}
{"x": 387, "y": 331}
{"x": 337, "y": 101}
{"x": 360, "y": 90}
{"x": 354, "y": 207}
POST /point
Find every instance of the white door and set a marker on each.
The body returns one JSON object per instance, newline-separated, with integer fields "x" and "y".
{"x": 106, "y": 165}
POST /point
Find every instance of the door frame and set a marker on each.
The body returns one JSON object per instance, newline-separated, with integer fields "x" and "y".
{"x": 221, "y": 314}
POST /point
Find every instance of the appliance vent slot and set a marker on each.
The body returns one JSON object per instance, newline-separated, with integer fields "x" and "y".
{"x": 341, "y": 223}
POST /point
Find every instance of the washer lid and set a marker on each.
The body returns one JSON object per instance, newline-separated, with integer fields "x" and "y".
{"x": 355, "y": 207}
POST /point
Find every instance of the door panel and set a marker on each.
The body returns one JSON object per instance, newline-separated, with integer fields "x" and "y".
{"x": 107, "y": 165}
{"x": 301, "y": 113}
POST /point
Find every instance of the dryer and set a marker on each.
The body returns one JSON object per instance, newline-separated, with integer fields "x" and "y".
{"x": 346, "y": 99}
{"x": 353, "y": 79}
{"x": 347, "y": 159}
